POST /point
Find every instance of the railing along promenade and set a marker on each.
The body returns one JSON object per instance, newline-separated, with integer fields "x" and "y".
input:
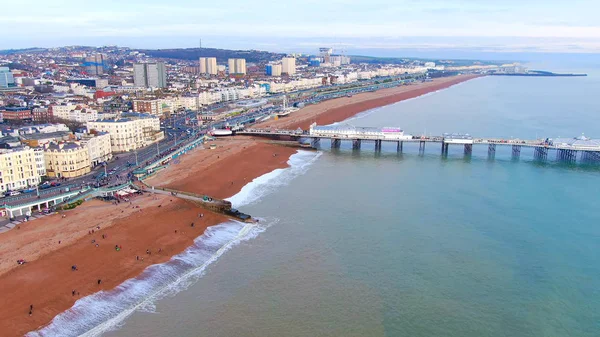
{"x": 566, "y": 149}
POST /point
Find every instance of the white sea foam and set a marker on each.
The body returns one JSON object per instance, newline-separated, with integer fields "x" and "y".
{"x": 106, "y": 310}
{"x": 269, "y": 182}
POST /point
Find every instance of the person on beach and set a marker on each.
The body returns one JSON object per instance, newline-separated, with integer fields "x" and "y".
{"x": 74, "y": 268}
{"x": 99, "y": 281}
{"x": 73, "y": 292}
{"x": 192, "y": 225}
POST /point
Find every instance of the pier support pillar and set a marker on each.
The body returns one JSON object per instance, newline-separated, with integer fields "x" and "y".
{"x": 356, "y": 144}
{"x": 378, "y": 145}
{"x": 468, "y": 149}
{"x": 569, "y": 156}
{"x": 491, "y": 150}
{"x": 516, "y": 151}
{"x": 315, "y": 142}
{"x": 590, "y": 156}
{"x": 335, "y": 143}
{"x": 540, "y": 153}
{"x": 400, "y": 145}
{"x": 421, "y": 146}
{"x": 444, "y": 148}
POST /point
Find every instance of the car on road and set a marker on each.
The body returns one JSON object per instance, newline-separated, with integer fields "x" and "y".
{"x": 29, "y": 190}
{"x": 11, "y": 193}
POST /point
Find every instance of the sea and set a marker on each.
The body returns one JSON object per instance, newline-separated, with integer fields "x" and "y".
{"x": 366, "y": 243}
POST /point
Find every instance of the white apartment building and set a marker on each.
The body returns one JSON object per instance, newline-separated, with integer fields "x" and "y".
{"x": 18, "y": 168}
{"x": 288, "y": 65}
{"x": 276, "y": 69}
{"x": 209, "y": 97}
{"x": 40, "y": 162}
{"x": 237, "y": 66}
{"x": 186, "y": 102}
{"x": 128, "y": 134}
{"x": 208, "y": 65}
{"x": 83, "y": 116}
{"x": 62, "y": 111}
{"x": 98, "y": 146}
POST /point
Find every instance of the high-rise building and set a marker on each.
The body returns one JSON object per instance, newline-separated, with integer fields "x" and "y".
{"x": 6, "y": 78}
{"x": 94, "y": 64}
{"x": 152, "y": 75}
{"x": 208, "y": 65}
{"x": 273, "y": 69}
{"x": 325, "y": 54}
{"x": 288, "y": 65}
{"x": 237, "y": 66}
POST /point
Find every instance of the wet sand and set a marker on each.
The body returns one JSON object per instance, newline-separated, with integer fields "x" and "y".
{"x": 342, "y": 108}
{"x": 47, "y": 281}
{"x": 223, "y": 172}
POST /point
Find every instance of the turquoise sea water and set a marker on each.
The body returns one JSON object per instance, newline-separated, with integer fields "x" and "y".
{"x": 386, "y": 244}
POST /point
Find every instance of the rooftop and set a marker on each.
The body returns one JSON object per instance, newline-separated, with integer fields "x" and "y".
{"x": 580, "y": 141}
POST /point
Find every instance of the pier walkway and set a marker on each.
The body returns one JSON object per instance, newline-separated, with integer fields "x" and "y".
{"x": 566, "y": 149}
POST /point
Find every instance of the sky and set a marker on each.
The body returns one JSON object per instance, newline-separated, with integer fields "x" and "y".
{"x": 381, "y": 27}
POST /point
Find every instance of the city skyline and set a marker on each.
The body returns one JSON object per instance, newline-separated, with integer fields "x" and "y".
{"x": 510, "y": 26}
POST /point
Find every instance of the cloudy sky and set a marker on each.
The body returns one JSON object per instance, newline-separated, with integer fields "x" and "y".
{"x": 486, "y": 25}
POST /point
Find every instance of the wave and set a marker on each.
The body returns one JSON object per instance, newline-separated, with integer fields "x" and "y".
{"x": 269, "y": 182}
{"x": 106, "y": 310}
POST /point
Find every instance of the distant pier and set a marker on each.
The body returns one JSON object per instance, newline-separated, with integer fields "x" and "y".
{"x": 566, "y": 149}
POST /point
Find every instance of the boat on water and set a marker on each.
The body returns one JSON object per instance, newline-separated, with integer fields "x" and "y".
{"x": 221, "y": 132}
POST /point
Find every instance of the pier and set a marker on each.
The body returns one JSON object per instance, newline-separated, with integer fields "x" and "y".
{"x": 565, "y": 149}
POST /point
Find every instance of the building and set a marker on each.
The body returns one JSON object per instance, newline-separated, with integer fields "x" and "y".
{"x": 43, "y": 128}
{"x": 151, "y": 106}
{"x": 208, "y": 65}
{"x": 288, "y": 65}
{"x": 273, "y": 69}
{"x": 129, "y": 133}
{"x": 41, "y": 115}
{"x": 314, "y": 62}
{"x": 41, "y": 139}
{"x": 83, "y": 115}
{"x": 18, "y": 168}
{"x": 62, "y": 110}
{"x": 237, "y": 66}
{"x": 325, "y": 54}
{"x": 17, "y": 114}
{"x": 94, "y": 64}
{"x": 90, "y": 82}
{"x": 66, "y": 159}
{"x": 150, "y": 75}
{"x": 98, "y": 146}
{"x": 7, "y": 79}
{"x": 40, "y": 161}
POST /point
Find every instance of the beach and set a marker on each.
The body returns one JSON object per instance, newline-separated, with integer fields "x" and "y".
{"x": 47, "y": 281}
{"x": 342, "y": 108}
{"x": 223, "y": 171}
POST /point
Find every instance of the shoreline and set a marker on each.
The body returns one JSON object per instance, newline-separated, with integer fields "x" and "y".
{"x": 340, "y": 109}
{"x": 221, "y": 173}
